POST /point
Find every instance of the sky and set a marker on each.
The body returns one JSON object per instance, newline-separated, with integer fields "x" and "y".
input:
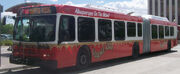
{"x": 139, "y": 7}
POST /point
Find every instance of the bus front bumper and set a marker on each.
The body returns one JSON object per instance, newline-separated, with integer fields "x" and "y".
{"x": 52, "y": 64}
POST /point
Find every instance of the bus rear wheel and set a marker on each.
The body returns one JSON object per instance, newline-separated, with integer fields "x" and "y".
{"x": 169, "y": 46}
{"x": 135, "y": 51}
{"x": 83, "y": 59}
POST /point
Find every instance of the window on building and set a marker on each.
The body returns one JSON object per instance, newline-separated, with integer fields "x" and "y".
{"x": 156, "y": 7}
{"x": 172, "y": 31}
{"x": 119, "y": 30}
{"x": 154, "y": 32}
{"x": 131, "y": 29}
{"x": 86, "y": 29}
{"x": 161, "y": 32}
{"x": 104, "y": 30}
{"x": 167, "y": 30}
{"x": 139, "y": 30}
{"x": 67, "y": 28}
{"x": 162, "y": 7}
{"x": 167, "y": 9}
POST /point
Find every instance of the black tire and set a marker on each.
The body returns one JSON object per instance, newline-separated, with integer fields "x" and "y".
{"x": 135, "y": 52}
{"x": 11, "y": 59}
{"x": 46, "y": 69}
{"x": 83, "y": 59}
{"x": 169, "y": 46}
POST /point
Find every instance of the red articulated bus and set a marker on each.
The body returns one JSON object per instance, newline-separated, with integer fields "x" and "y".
{"x": 59, "y": 36}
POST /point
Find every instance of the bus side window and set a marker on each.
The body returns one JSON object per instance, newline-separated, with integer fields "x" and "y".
{"x": 119, "y": 30}
{"x": 161, "y": 32}
{"x": 104, "y": 30}
{"x": 131, "y": 29}
{"x": 172, "y": 31}
{"x": 154, "y": 32}
{"x": 167, "y": 30}
{"x": 139, "y": 29}
{"x": 86, "y": 29}
{"x": 67, "y": 28}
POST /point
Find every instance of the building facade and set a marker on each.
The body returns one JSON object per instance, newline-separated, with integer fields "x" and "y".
{"x": 165, "y": 8}
{"x": 1, "y": 10}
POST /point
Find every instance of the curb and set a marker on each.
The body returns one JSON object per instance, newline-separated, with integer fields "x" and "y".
{"x": 15, "y": 68}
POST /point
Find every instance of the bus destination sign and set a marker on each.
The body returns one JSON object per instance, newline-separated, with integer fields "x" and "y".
{"x": 38, "y": 10}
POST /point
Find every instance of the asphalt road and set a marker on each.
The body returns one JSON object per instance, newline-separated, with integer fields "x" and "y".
{"x": 155, "y": 63}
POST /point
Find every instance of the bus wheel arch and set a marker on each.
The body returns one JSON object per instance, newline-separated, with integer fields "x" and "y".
{"x": 135, "y": 50}
{"x": 83, "y": 57}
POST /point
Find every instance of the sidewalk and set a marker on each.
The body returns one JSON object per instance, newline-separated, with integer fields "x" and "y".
{"x": 5, "y": 65}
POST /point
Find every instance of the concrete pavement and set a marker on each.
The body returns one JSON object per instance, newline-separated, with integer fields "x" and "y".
{"x": 156, "y": 63}
{"x": 5, "y": 65}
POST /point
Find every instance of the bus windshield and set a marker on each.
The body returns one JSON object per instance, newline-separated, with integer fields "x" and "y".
{"x": 35, "y": 28}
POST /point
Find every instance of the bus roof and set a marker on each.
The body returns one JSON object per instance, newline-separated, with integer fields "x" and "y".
{"x": 159, "y": 22}
{"x": 93, "y": 12}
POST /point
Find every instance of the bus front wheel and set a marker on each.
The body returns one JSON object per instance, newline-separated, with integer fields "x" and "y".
{"x": 83, "y": 59}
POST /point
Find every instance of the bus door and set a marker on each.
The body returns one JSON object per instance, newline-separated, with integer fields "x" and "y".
{"x": 146, "y": 36}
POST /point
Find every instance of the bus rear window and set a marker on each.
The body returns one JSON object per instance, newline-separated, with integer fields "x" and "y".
{"x": 154, "y": 32}
{"x": 104, "y": 30}
{"x": 139, "y": 29}
{"x": 172, "y": 31}
{"x": 161, "y": 32}
{"x": 86, "y": 29}
{"x": 167, "y": 31}
{"x": 131, "y": 29}
{"x": 119, "y": 30}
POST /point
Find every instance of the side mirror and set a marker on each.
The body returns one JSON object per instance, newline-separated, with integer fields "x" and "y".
{"x": 3, "y": 21}
{"x": 14, "y": 17}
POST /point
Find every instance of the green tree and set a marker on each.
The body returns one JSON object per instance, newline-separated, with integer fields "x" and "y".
{"x": 6, "y": 29}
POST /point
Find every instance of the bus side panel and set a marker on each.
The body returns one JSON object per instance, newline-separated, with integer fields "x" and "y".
{"x": 155, "y": 45}
{"x": 158, "y": 45}
{"x": 118, "y": 49}
{"x": 129, "y": 48}
{"x": 123, "y": 49}
{"x": 164, "y": 45}
{"x": 176, "y": 41}
{"x": 140, "y": 47}
{"x": 66, "y": 55}
{"x": 104, "y": 52}
{"x": 173, "y": 43}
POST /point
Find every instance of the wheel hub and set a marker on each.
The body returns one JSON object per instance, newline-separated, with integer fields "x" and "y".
{"x": 83, "y": 59}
